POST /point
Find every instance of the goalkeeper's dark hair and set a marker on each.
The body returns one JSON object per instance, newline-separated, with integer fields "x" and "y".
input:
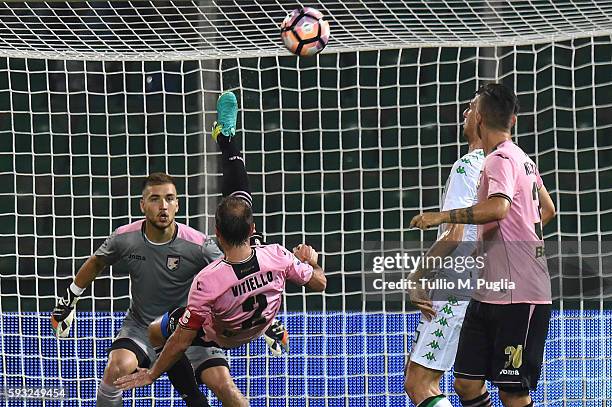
{"x": 233, "y": 219}
{"x": 157, "y": 178}
{"x": 497, "y": 104}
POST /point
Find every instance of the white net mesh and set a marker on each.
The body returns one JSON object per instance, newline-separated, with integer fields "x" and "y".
{"x": 341, "y": 149}
{"x": 181, "y": 30}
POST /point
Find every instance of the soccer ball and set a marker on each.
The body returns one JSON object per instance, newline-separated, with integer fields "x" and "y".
{"x": 304, "y": 31}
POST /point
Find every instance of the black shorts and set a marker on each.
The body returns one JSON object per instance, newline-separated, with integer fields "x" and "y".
{"x": 503, "y": 343}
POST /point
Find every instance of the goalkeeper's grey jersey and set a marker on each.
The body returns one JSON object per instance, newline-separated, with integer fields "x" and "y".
{"x": 160, "y": 275}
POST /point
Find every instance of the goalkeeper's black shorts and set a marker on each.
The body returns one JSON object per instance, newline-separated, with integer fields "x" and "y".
{"x": 503, "y": 343}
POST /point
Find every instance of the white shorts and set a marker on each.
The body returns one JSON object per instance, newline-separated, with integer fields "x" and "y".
{"x": 435, "y": 342}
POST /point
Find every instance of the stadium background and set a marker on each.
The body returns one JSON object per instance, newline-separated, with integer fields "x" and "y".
{"x": 341, "y": 150}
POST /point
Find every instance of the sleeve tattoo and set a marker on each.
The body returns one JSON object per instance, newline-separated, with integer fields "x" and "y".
{"x": 464, "y": 215}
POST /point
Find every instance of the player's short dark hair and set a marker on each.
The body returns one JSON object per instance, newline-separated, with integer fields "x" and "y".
{"x": 234, "y": 218}
{"x": 497, "y": 104}
{"x": 157, "y": 178}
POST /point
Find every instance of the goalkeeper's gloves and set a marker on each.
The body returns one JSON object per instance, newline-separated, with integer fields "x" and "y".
{"x": 64, "y": 311}
{"x": 277, "y": 338}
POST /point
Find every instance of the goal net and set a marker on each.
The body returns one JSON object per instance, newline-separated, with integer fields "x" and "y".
{"x": 342, "y": 150}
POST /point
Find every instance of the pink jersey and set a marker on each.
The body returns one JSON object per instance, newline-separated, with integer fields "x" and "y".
{"x": 234, "y": 303}
{"x": 514, "y": 247}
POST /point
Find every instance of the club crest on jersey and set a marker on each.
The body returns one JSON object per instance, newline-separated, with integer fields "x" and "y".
{"x": 173, "y": 262}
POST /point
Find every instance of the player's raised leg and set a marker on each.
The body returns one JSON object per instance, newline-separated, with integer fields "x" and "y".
{"x": 235, "y": 180}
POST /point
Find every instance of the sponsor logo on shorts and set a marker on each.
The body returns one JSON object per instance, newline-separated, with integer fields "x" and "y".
{"x": 438, "y": 333}
{"x": 185, "y": 317}
{"x": 448, "y": 310}
{"x": 515, "y": 356}
{"x": 429, "y": 356}
{"x": 515, "y": 360}
{"x": 173, "y": 262}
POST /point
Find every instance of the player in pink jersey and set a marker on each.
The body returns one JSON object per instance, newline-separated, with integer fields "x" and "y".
{"x": 233, "y": 300}
{"x": 503, "y": 335}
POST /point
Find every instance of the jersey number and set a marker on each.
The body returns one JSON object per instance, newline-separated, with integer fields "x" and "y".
{"x": 249, "y": 305}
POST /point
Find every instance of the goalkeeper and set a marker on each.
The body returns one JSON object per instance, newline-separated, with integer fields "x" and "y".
{"x": 162, "y": 257}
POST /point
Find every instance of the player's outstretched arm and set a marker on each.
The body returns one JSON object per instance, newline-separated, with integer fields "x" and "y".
{"x": 493, "y": 209}
{"x": 65, "y": 308}
{"x": 318, "y": 281}
{"x": 547, "y": 205}
{"x": 177, "y": 344}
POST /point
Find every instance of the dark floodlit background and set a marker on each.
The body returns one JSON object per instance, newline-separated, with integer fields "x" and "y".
{"x": 340, "y": 150}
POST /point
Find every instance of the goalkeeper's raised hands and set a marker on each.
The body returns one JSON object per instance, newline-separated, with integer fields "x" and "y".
{"x": 65, "y": 309}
